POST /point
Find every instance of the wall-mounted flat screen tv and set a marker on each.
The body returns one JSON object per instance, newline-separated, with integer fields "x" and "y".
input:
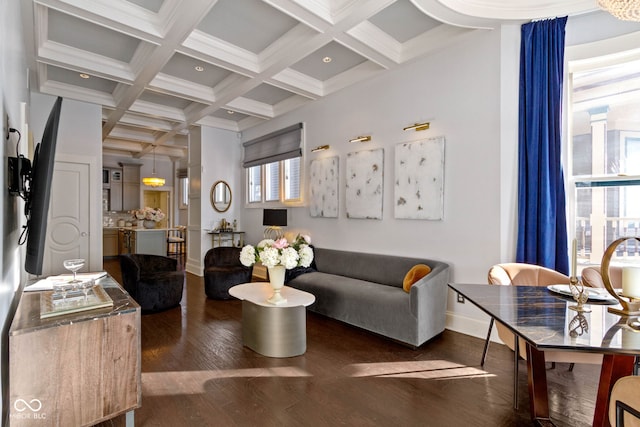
{"x": 39, "y": 191}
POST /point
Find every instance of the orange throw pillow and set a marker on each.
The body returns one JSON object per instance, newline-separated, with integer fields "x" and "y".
{"x": 416, "y": 273}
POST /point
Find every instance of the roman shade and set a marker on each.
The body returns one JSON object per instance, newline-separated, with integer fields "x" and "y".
{"x": 279, "y": 145}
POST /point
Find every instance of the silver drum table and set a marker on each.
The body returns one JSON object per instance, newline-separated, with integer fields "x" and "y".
{"x": 273, "y": 330}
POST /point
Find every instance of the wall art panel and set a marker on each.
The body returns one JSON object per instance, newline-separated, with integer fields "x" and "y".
{"x": 365, "y": 173}
{"x": 323, "y": 187}
{"x": 419, "y": 179}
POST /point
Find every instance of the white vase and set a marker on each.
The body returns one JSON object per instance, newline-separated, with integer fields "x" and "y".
{"x": 149, "y": 223}
{"x": 276, "y": 279}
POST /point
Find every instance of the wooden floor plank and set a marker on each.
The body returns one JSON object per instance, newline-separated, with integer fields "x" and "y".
{"x": 195, "y": 372}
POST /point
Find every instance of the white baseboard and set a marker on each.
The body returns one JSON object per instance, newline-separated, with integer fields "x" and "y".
{"x": 470, "y": 326}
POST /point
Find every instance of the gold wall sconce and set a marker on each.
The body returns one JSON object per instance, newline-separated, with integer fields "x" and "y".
{"x": 320, "y": 148}
{"x": 418, "y": 126}
{"x": 361, "y": 139}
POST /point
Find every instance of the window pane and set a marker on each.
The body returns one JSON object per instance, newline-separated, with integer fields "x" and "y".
{"x": 292, "y": 179}
{"x": 183, "y": 188}
{"x": 605, "y": 156}
{"x": 254, "y": 186}
{"x": 272, "y": 182}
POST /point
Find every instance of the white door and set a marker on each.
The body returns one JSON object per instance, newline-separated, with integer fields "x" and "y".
{"x": 68, "y": 227}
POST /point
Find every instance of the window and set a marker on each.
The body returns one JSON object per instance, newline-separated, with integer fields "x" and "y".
{"x": 273, "y": 164}
{"x": 605, "y": 160}
{"x": 183, "y": 189}
{"x": 280, "y": 180}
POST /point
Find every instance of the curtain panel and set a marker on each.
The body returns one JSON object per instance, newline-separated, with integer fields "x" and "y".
{"x": 279, "y": 145}
{"x": 542, "y": 225}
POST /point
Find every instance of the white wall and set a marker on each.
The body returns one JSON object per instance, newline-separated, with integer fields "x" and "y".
{"x": 459, "y": 90}
{"x": 213, "y": 156}
{"x": 13, "y": 92}
{"x": 469, "y": 93}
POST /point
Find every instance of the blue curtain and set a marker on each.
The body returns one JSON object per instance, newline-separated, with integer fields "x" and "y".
{"x": 542, "y": 225}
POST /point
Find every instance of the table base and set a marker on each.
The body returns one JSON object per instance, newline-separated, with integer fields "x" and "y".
{"x": 614, "y": 367}
{"x": 274, "y": 331}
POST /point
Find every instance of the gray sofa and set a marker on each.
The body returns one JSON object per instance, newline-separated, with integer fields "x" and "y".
{"x": 365, "y": 290}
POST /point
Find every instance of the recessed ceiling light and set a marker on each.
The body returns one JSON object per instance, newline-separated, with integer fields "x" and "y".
{"x": 230, "y": 111}
{"x": 199, "y": 68}
{"x": 84, "y": 76}
{"x": 326, "y": 59}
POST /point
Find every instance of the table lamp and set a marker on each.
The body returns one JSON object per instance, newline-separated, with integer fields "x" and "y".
{"x": 274, "y": 219}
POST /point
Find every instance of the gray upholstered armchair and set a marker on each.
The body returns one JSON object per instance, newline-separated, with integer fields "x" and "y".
{"x": 222, "y": 270}
{"x": 152, "y": 280}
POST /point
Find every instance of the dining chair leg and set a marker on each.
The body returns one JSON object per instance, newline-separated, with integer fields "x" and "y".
{"x": 486, "y": 343}
{"x": 571, "y": 365}
{"x": 516, "y": 360}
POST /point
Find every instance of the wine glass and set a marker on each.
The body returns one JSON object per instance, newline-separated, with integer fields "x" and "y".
{"x": 62, "y": 288}
{"x": 86, "y": 286}
{"x": 73, "y": 265}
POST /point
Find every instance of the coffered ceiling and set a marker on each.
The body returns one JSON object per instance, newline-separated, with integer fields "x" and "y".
{"x": 158, "y": 67}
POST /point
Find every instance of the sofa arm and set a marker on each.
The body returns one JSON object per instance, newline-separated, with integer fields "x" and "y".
{"x": 429, "y": 296}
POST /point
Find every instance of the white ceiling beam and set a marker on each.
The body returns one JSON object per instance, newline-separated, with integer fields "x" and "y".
{"x": 192, "y": 12}
{"x": 119, "y": 15}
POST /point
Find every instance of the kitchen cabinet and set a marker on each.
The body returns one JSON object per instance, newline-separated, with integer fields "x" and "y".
{"x": 112, "y": 189}
{"x": 130, "y": 187}
{"x": 143, "y": 241}
{"x": 109, "y": 242}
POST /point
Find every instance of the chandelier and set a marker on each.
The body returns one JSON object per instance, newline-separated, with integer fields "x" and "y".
{"x": 153, "y": 180}
{"x": 627, "y": 10}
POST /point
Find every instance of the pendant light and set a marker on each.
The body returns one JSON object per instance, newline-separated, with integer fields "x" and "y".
{"x": 153, "y": 180}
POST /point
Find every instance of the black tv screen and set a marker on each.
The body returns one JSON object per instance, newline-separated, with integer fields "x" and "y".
{"x": 39, "y": 192}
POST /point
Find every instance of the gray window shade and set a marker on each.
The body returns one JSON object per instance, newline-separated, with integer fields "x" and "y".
{"x": 280, "y": 145}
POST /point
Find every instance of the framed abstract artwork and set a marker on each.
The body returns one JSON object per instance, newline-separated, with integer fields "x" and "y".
{"x": 419, "y": 179}
{"x": 323, "y": 187}
{"x": 365, "y": 173}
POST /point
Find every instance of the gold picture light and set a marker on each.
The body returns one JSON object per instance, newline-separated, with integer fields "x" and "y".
{"x": 418, "y": 126}
{"x": 361, "y": 138}
{"x": 320, "y": 148}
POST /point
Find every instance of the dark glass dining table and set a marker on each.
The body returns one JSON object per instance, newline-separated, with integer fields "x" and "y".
{"x": 542, "y": 318}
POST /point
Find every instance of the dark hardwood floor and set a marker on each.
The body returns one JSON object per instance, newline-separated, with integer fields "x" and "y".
{"x": 195, "y": 372}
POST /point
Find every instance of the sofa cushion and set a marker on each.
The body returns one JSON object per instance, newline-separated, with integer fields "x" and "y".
{"x": 379, "y": 308}
{"x": 416, "y": 273}
{"x": 384, "y": 269}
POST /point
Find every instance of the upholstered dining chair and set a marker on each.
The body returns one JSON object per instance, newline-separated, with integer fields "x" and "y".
{"x": 592, "y": 276}
{"x": 521, "y": 274}
{"x": 624, "y": 404}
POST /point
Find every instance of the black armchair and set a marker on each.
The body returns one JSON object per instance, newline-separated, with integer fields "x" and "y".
{"x": 152, "y": 280}
{"x": 222, "y": 270}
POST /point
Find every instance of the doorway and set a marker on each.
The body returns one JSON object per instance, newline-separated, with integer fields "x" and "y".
{"x": 159, "y": 199}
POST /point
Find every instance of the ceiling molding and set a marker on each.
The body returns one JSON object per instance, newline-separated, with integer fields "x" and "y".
{"x": 151, "y": 93}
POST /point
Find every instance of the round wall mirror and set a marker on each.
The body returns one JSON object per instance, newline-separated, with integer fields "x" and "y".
{"x": 220, "y": 196}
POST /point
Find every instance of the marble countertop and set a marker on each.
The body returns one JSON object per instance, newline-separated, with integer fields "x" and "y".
{"x": 137, "y": 228}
